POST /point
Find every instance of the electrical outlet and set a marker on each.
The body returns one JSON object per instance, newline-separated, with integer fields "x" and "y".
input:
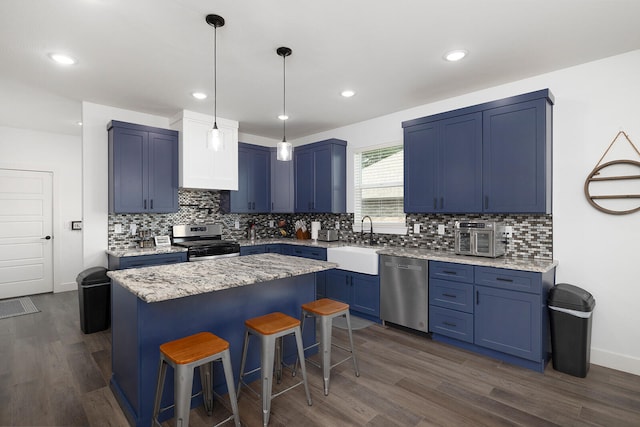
{"x": 237, "y": 225}
{"x": 133, "y": 228}
{"x": 272, "y": 224}
{"x": 416, "y": 228}
{"x": 508, "y": 231}
{"x": 117, "y": 228}
{"x": 337, "y": 225}
{"x": 441, "y": 229}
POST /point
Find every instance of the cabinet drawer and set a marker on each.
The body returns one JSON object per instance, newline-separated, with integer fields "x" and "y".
{"x": 451, "y": 323}
{"x": 453, "y": 295}
{"x": 524, "y": 281}
{"x": 252, "y": 250}
{"x": 307, "y": 252}
{"x": 451, "y": 271}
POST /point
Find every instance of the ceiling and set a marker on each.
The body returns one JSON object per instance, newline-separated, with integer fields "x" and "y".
{"x": 150, "y": 55}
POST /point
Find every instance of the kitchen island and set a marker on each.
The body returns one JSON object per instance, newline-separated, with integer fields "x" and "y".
{"x": 153, "y": 305}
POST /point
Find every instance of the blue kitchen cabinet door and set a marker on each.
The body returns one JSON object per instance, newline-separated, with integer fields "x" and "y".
{"x": 460, "y": 165}
{"x": 320, "y": 175}
{"x": 143, "y": 169}
{"x": 254, "y": 187}
{"x": 365, "y": 297}
{"x": 508, "y": 322}
{"x": 282, "y": 195}
{"x": 443, "y": 166}
{"x": 303, "y": 181}
{"x": 163, "y": 173}
{"x": 517, "y": 158}
{"x": 420, "y": 168}
{"x": 337, "y": 286}
{"x": 360, "y": 291}
{"x": 252, "y": 250}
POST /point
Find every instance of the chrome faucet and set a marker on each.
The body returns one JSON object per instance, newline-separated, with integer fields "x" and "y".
{"x": 370, "y": 229}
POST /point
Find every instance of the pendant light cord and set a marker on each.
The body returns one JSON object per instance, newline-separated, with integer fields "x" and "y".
{"x": 284, "y": 97}
{"x": 215, "y": 78}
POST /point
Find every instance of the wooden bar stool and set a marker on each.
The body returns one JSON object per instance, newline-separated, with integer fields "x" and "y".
{"x": 184, "y": 355}
{"x": 326, "y": 310}
{"x": 270, "y": 328}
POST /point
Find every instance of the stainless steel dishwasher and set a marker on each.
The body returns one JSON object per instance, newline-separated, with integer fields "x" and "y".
{"x": 404, "y": 291}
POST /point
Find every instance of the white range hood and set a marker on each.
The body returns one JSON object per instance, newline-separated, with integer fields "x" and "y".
{"x": 200, "y": 167}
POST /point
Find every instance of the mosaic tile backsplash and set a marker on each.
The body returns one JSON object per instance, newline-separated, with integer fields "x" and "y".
{"x": 532, "y": 234}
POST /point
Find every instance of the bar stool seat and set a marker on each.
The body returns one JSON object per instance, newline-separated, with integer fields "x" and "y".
{"x": 326, "y": 310}
{"x": 184, "y": 355}
{"x": 270, "y": 328}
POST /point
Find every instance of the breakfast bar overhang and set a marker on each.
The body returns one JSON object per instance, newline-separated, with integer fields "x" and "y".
{"x": 153, "y": 305}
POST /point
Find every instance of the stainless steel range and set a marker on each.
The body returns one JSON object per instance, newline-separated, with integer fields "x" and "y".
{"x": 204, "y": 242}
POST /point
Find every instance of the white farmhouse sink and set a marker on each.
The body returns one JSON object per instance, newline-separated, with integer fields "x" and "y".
{"x": 355, "y": 258}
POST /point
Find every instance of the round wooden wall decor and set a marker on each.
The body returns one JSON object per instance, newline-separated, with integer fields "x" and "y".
{"x": 593, "y": 177}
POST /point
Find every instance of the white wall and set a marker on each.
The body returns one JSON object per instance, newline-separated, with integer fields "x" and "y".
{"x": 60, "y": 154}
{"x": 596, "y": 251}
{"x": 95, "y": 162}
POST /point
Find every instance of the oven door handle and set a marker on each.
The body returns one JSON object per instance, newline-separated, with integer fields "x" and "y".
{"x": 209, "y": 257}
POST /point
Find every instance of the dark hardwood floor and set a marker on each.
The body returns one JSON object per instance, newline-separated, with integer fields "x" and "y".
{"x": 51, "y": 374}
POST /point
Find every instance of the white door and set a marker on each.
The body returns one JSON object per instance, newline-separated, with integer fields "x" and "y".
{"x": 26, "y": 246}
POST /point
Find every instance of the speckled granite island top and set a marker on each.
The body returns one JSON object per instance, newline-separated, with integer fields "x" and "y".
{"x": 156, "y": 250}
{"x": 166, "y": 282}
{"x": 535, "y": 265}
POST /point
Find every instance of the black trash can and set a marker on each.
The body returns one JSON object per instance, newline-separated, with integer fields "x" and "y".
{"x": 570, "y": 310}
{"x": 94, "y": 297}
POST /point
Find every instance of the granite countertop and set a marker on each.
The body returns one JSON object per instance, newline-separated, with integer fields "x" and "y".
{"x": 535, "y": 265}
{"x": 166, "y": 282}
{"x": 523, "y": 264}
{"x": 120, "y": 253}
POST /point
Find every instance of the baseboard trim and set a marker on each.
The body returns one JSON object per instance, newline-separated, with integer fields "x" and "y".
{"x": 65, "y": 287}
{"x": 621, "y": 362}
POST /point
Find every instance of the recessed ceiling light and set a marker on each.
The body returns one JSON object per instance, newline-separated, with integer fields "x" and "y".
{"x": 347, "y": 93}
{"x": 283, "y": 117}
{"x": 455, "y": 55}
{"x": 63, "y": 59}
{"x": 199, "y": 95}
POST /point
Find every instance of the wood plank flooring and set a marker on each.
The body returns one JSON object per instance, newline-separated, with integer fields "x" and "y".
{"x": 51, "y": 374}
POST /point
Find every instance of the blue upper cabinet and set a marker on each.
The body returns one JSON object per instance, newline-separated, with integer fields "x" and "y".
{"x": 143, "y": 169}
{"x": 443, "y": 165}
{"x": 320, "y": 175}
{"x": 281, "y": 185}
{"x": 253, "y": 195}
{"x": 517, "y": 158}
{"x": 493, "y": 157}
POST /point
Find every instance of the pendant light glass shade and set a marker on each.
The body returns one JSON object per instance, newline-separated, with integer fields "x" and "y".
{"x": 284, "y": 150}
{"x": 215, "y": 140}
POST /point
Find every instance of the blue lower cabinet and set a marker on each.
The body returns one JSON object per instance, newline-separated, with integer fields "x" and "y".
{"x": 497, "y": 312}
{"x": 309, "y": 252}
{"x": 360, "y": 291}
{"x": 252, "y": 250}
{"x": 120, "y": 263}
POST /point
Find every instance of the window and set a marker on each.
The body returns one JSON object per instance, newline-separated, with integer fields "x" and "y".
{"x": 378, "y": 179}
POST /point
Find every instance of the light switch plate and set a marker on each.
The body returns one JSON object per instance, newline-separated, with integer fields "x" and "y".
{"x": 416, "y": 228}
{"x": 272, "y": 224}
{"x": 441, "y": 229}
{"x": 117, "y": 228}
{"x": 133, "y": 228}
{"x": 337, "y": 225}
{"x": 237, "y": 224}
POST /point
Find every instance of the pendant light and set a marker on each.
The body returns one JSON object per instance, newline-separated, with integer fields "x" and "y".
{"x": 214, "y": 136}
{"x": 284, "y": 150}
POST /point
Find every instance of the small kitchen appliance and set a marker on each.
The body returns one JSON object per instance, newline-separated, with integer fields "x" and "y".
{"x": 327, "y": 235}
{"x": 204, "y": 242}
{"x": 480, "y": 238}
